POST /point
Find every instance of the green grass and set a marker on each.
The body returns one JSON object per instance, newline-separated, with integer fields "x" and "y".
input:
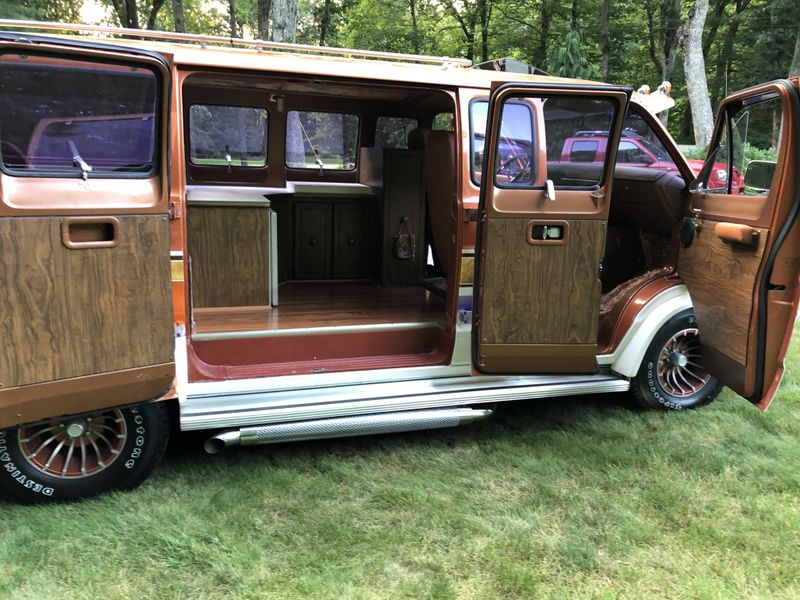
{"x": 574, "y": 497}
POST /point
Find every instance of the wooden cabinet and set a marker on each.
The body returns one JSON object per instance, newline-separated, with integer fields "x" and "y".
{"x": 332, "y": 239}
{"x": 403, "y": 212}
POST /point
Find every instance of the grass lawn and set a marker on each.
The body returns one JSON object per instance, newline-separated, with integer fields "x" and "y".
{"x": 562, "y": 498}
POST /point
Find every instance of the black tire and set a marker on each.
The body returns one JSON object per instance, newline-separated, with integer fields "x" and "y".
{"x": 671, "y": 376}
{"x": 114, "y": 449}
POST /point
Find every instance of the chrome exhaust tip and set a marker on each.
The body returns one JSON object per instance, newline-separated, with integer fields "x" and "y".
{"x": 223, "y": 440}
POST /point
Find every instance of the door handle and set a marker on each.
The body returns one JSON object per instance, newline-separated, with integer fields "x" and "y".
{"x": 79, "y": 233}
{"x": 546, "y": 232}
{"x": 737, "y": 233}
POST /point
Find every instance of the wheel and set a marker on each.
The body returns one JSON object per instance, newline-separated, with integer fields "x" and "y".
{"x": 672, "y": 376}
{"x": 82, "y": 456}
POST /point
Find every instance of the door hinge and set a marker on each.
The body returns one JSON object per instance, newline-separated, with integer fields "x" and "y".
{"x": 470, "y": 214}
{"x": 174, "y": 210}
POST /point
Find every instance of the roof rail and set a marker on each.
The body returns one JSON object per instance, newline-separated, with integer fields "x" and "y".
{"x": 216, "y": 40}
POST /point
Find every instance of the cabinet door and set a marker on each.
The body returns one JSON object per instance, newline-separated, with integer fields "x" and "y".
{"x": 312, "y": 241}
{"x": 350, "y": 260}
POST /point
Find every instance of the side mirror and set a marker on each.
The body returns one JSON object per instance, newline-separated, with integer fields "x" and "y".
{"x": 646, "y": 160}
{"x": 758, "y": 176}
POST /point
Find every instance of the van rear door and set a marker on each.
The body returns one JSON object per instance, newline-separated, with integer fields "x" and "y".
{"x": 542, "y": 226}
{"x": 85, "y": 310}
{"x": 740, "y": 254}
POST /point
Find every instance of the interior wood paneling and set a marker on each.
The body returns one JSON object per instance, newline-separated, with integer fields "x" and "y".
{"x": 69, "y": 313}
{"x": 720, "y": 277}
{"x": 403, "y": 196}
{"x": 350, "y": 241}
{"x": 326, "y": 304}
{"x": 229, "y": 249}
{"x": 312, "y": 240}
{"x": 541, "y": 293}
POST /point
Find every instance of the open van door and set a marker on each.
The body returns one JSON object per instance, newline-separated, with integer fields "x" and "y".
{"x": 542, "y": 226}
{"x": 85, "y": 309}
{"x": 740, "y": 240}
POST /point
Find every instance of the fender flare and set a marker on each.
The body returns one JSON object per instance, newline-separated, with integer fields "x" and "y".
{"x": 627, "y": 357}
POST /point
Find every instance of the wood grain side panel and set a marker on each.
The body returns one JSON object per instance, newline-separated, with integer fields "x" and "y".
{"x": 720, "y": 277}
{"x": 69, "y": 313}
{"x": 540, "y": 293}
{"x": 229, "y": 249}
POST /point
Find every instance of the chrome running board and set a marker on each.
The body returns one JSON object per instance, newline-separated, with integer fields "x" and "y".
{"x": 415, "y": 420}
{"x": 212, "y": 411}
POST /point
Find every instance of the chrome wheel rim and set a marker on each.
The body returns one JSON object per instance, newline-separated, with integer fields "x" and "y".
{"x": 76, "y": 447}
{"x": 680, "y": 368}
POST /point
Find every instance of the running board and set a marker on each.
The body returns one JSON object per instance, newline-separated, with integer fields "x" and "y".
{"x": 214, "y": 411}
{"x": 415, "y": 420}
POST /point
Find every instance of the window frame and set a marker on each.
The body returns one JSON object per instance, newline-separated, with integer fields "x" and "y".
{"x": 357, "y": 149}
{"x": 232, "y": 166}
{"x": 158, "y": 120}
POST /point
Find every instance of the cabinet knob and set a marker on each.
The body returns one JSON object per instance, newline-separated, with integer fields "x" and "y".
{"x": 351, "y": 242}
{"x": 312, "y": 241}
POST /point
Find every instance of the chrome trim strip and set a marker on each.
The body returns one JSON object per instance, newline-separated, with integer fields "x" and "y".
{"x": 263, "y": 203}
{"x": 305, "y": 404}
{"x": 273, "y": 257}
{"x": 302, "y": 331}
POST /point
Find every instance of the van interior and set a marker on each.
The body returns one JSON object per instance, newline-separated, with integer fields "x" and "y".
{"x": 324, "y": 225}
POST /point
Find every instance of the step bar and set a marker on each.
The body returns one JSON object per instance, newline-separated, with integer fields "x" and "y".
{"x": 258, "y": 408}
{"x": 415, "y": 420}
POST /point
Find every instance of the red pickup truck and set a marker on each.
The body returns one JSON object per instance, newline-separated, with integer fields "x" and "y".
{"x": 637, "y": 150}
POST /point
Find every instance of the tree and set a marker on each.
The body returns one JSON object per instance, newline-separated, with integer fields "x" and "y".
{"x": 794, "y": 69}
{"x": 664, "y": 35}
{"x": 694, "y": 66}
{"x": 263, "y": 19}
{"x": 570, "y": 61}
{"x": 127, "y": 12}
{"x": 604, "y": 16}
{"x": 232, "y": 18}
{"x": 284, "y": 20}
{"x": 177, "y": 11}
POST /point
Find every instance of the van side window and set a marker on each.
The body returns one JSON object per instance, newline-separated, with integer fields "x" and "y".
{"x": 321, "y": 140}
{"x": 392, "y": 132}
{"x": 64, "y": 117}
{"x": 443, "y": 122}
{"x": 640, "y": 145}
{"x": 227, "y": 135}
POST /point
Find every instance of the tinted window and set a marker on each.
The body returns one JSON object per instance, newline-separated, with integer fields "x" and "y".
{"x": 631, "y": 153}
{"x": 60, "y": 116}
{"x": 639, "y": 144}
{"x": 392, "y": 132}
{"x": 583, "y": 151}
{"x": 321, "y": 140}
{"x": 228, "y": 135}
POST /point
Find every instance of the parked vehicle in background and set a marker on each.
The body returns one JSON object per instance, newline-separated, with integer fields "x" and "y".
{"x": 329, "y": 242}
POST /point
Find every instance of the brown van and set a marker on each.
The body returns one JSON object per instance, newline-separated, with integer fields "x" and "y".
{"x": 277, "y": 242}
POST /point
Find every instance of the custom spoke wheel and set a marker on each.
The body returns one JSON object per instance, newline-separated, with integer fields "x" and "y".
{"x": 672, "y": 375}
{"x": 680, "y": 369}
{"x": 78, "y": 447}
{"x": 83, "y": 455}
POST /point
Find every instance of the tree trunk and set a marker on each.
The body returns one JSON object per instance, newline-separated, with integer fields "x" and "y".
{"x": 131, "y": 15}
{"x": 485, "y": 14}
{"x": 232, "y": 18}
{"x": 284, "y": 20}
{"x": 604, "y": 15}
{"x": 177, "y": 13}
{"x": 574, "y": 22}
{"x": 324, "y": 21}
{"x": 695, "y": 69}
{"x": 794, "y": 69}
{"x": 412, "y": 7}
{"x": 544, "y": 22}
{"x": 151, "y": 19}
{"x": 263, "y": 19}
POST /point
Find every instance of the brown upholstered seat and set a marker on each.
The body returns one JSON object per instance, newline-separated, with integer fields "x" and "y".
{"x": 440, "y": 184}
{"x": 417, "y": 137}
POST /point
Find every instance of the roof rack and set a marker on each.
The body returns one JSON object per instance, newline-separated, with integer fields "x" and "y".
{"x": 216, "y": 40}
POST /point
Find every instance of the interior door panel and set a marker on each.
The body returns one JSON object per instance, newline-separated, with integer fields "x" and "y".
{"x": 542, "y": 230}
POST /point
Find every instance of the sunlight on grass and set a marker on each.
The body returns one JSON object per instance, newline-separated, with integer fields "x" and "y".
{"x": 569, "y": 497}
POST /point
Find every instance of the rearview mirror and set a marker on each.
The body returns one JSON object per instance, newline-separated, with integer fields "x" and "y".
{"x": 758, "y": 176}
